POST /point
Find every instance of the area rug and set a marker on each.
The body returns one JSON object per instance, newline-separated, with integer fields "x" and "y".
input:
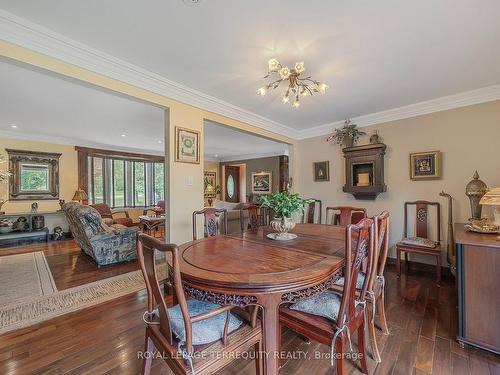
{"x": 24, "y": 277}
{"x": 36, "y": 310}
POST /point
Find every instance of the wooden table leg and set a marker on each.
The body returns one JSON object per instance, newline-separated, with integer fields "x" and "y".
{"x": 271, "y": 333}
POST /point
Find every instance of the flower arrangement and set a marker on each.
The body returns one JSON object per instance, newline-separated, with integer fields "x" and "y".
{"x": 284, "y": 204}
{"x": 346, "y": 135}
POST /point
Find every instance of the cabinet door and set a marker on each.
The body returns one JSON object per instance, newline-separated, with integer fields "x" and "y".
{"x": 481, "y": 295}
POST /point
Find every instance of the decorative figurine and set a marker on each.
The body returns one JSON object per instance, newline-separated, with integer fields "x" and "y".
{"x": 34, "y": 207}
{"x": 61, "y": 202}
{"x": 58, "y": 233}
{"x": 475, "y": 190}
{"x": 375, "y": 138}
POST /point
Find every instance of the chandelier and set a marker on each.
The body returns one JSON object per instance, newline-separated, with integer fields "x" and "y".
{"x": 297, "y": 85}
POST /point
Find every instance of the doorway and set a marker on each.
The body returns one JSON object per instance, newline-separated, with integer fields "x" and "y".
{"x": 232, "y": 180}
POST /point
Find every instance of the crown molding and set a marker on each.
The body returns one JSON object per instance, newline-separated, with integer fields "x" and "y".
{"x": 19, "y": 31}
{"x": 24, "y": 33}
{"x": 463, "y": 99}
{"x": 68, "y": 141}
{"x": 256, "y": 155}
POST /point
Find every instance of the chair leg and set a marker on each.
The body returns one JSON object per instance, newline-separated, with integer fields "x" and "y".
{"x": 438, "y": 269}
{"x": 148, "y": 356}
{"x": 362, "y": 347}
{"x": 381, "y": 313}
{"x": 339, "y": 351}
{"x": 259, "y": 359}
{"x": 398, "y": 261}
{"x": 371, "y": 333}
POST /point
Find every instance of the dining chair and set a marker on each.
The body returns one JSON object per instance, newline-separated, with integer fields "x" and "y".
{"x": 211, "y": 225}
{"x": 420, "y": 243}
{"x": 186, "y": 332}
{"x": 376, "y": 284}
{"x": 257, "y": 217}
{"x": 344, "y": 215}
{"x": 313, "y": 212}
{"x": 330, "y": 317}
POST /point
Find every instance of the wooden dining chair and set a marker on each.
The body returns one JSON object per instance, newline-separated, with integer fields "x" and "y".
{"x": 211, "y": 225}
{"x": 344, "y": 215}
{"x": 376, "y": 284}
{"x": 313, "y": 212}
{"x": 257, "y": 217}
{"x": 420, "y": 243}
{"x": 329, "y": 317}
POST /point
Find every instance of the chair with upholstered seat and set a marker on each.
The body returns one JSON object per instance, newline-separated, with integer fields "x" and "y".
{"x": 211, "y": 224}
{"x": 188, "y": 331}
{"x": 345, "y": 215}
{"x": 329, "y": 317}
{"x": 313, "y": 212}
{"x": 376, "y": 285}
{"x": 420, "y": 243}
{"x": 109, "y": 216}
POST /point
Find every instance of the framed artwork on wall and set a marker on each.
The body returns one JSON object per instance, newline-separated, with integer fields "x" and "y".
{"x": 210, "y": 183}
{"x": 425, "y": 165}
{"x": 321, "y": 171}
{"x": 187, "y": 145}
{"x": 262, "y": 183}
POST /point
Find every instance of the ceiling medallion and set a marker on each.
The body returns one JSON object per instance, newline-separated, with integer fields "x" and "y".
{"x": 297, "y": 85}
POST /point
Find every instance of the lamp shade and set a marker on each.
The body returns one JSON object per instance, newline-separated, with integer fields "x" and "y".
{"x": 491, "y": 198}
{"x": 80, "y": 195}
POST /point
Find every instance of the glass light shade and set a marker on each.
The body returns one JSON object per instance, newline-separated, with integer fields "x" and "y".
{"x": 299, "y": 67}
{"x": 296, "y": 104}
{"x": 284, "y": 73}
{"x": 322, "y": 87}
{"x": 285, "y": 99}
{"x": 274, "y": 65}
{"x": 262, "y": 91}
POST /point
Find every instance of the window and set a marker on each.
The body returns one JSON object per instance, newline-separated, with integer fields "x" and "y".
{"x": 123, "y": 181}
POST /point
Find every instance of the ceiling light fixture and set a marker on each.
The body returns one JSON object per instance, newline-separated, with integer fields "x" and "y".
{"x": 297, "y": 86}
{"x": 14, "y": 126}
{"x": 123, "y": 135}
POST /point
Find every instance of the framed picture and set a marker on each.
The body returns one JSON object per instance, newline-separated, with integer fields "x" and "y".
{"x": 210, "y": 183}
{"x": 321, "y": 171}
{"x": 187, "y": 145}
{"x": 425, "y": 165}
{"x": 262, "y": 183}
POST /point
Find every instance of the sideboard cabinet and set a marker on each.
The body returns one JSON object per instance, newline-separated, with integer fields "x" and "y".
{"x": 478, "y": 285}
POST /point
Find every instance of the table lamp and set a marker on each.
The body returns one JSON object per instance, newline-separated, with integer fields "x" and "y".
{"x": 80, "y": 196}
{"x": 492, "y": 198}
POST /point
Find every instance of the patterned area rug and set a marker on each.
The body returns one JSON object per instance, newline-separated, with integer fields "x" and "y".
{"x": 24, "y": 277}
{"x": 39, "y": 309}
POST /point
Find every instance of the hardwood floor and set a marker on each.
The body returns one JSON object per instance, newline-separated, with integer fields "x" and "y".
{"x": 69, "y": 265}
{"x": 105, "y": 339}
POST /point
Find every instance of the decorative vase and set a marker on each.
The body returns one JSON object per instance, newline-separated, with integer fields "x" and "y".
{"x": 348, "y": 141}
{"x": 282, "y": 225}
{"x": 475, "y": 190}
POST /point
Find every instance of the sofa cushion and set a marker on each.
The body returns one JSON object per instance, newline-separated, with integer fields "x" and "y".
{"x": 326, "y": 304}
{"x": 227, "y": 205}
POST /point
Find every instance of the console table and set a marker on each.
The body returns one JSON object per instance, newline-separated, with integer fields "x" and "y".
{"x": 28, "y": 235}
{"x": 478, "y": 280}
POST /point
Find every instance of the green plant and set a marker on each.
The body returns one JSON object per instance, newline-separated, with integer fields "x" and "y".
{"x": 284, "y": 204}
{"x": 349, "y": 130}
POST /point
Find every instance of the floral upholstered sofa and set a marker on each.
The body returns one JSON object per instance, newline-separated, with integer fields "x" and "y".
{"x": 104, "y": 244}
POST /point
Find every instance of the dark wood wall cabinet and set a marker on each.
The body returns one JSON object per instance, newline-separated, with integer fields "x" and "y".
{"x": 478, "y": 283}
{"x": 364, "y": 170}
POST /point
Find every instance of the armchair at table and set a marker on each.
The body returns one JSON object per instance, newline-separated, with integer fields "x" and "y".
{"x": 104, "y": 244}
{"x": 108, "y": 218}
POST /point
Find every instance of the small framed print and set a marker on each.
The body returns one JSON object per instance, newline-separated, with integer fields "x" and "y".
{"x": 262, "y": 183}
{"x": 187, "y": 145}
{"x": 321, "y": 171}
{"x": 425, "y": 165}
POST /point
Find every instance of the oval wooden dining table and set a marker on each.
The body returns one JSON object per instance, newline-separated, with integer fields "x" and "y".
{"x": 247, "y": 268}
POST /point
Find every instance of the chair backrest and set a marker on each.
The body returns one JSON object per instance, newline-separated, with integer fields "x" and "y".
{"x": 257, "y": 217}
{"x": 381, "y": 246}
{"x": 103, "y": 209}
{"x": 359, "y": 250}
{"x": 421, "y": 218}
{"x": 210, "y": 221}
{"x": 146, "y": 256}
{"x": 313, "y": 212}
{"x": 345, "y": 215}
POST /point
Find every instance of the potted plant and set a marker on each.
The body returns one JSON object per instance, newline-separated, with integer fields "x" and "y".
{"x": 284, "y": 206}
{"x": 346, "y": 135}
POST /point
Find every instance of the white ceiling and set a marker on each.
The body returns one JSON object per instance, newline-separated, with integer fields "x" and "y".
{"x": 45, "y": 107}
{"x": 374, "y": 55}
{"x": 225, "y": 144}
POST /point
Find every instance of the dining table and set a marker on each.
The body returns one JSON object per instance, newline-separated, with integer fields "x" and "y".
{"x": 248, "y": 268}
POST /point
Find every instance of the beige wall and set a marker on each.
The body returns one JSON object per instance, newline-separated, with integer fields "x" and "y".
{"x": 468, "y": 137}
{"x": 68, "y": 178}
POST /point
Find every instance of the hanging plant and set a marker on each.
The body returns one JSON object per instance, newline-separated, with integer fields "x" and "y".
{"x": 347, "y": 135}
